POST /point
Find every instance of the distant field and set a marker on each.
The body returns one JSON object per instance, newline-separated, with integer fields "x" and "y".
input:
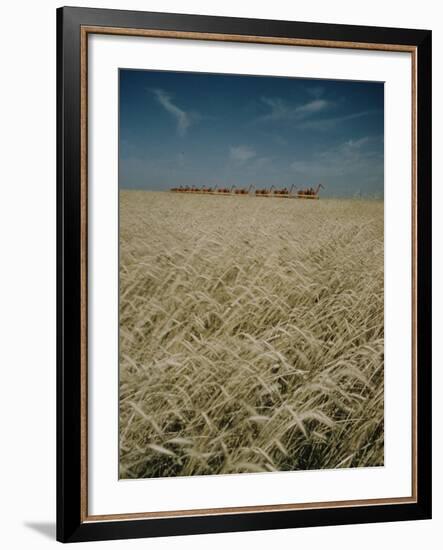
{"x": 251, "y": 334}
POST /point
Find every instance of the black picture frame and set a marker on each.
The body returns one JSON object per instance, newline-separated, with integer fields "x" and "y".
{"x": 71, "y": 523}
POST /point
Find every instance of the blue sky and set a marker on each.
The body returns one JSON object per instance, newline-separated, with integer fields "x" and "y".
{"x": 199, "y": 129}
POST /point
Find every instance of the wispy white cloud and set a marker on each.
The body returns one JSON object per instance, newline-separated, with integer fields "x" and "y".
{"x": 360, "y": 157}
{"x": 241, "y": 153}
{"x": 182, "y": 117}
{"x": 314, "y": 106}
{"x": 357, "y": 143}
{"x": 332, "y": 122}
{"x": 281, "y": 110}
{"x": 310, "y": 115}
{"x": 278, "y": 108}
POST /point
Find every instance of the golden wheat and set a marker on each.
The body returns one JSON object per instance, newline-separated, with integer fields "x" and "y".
{"x": 251, "y": 334}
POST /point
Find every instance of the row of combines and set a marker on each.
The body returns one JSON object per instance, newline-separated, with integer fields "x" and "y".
{"x": 283, "y": 193}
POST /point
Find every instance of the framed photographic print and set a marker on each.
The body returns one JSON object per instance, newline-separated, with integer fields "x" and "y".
{"x": 244, "y": 274}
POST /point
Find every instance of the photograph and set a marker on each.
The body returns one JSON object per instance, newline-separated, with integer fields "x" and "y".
{"x": 251, "y": 274}
{"x": 244, "y": 244}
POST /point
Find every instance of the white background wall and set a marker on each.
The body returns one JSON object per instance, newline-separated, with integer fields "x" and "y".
{"x": 27, "y": 272}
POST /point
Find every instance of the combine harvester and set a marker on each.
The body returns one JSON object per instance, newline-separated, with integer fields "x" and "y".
{"x": 309, "y": 193}
{"x": 243, "y": 192}
{"x": 197, "y": 190}
{"x": 284, "y": 193}
{"x": 224, "y": 191}
{"x": 187, "y": 189}
{"x": 264, "y": 192}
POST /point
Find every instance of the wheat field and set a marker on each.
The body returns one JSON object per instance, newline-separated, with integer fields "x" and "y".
{"x": 251, "y": 334}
